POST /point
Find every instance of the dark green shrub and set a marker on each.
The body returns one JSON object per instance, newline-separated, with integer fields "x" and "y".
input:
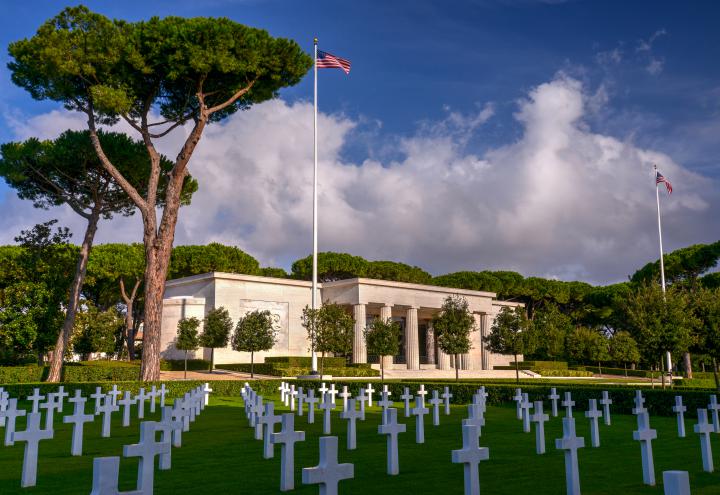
{"x": 22, "y": 374}
{"x": 179, "y": 365}
{"x": 99, "y": 371}
{"x": 306, "y": 361}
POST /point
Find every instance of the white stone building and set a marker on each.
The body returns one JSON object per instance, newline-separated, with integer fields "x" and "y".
{"x": 412, "y": 305}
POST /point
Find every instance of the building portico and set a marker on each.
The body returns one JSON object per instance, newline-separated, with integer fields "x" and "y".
{"x": 411, "y": 305}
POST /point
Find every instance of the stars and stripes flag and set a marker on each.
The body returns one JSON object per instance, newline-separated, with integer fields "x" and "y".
{"x": 327, "y": 60}
{"x": 659, "y": 178}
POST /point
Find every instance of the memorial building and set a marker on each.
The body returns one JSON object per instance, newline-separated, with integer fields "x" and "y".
{"x": 411, "y": 305}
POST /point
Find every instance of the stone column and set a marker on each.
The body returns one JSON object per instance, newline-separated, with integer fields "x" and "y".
{"x": 385, "y": 315}
{"x": 359, "y": 349}
{"x": 430, "y": 343}
{"x": 485, "y": 329}
{"x": 443, "y": 361}
{"x": 412, "y": 343}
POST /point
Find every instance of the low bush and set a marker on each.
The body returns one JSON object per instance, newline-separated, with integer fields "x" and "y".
{"x": 100, "y": 371}
{"x": 544, "y": 365}
{"x": 695, "y": 383}
{"x": 179, "y": 365}
{"x": 273, "y": 370}
{"x": 618, "y": 371}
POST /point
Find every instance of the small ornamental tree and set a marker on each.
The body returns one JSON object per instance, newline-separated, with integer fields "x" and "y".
{"x": 511, "y": 333}
{"x": 216, "y": 331}
{"x": 339, "y": 327}
{"x": 624, "y": 349}
{"x": 453, "y": 325}
{"x": 382, "y": 338}
{"x": 254, "y": 332}
{"x": 310, "y": 320}
{"x": 187, "y": 337}
{"x": 96, "y": 331}
{"x": 587, "y": 345}
{"x": 707, "y": 310}
{"x": 551, "y": 327}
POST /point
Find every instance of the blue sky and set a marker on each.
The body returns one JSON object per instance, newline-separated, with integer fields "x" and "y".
{"x": 648, "y": 72}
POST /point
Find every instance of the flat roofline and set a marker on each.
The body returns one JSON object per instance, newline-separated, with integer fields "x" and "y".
{"x": 405, "y": 285}
{"x": 240, "y": 277}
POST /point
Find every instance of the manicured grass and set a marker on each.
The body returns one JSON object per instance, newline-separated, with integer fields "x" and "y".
{"x": 219, "y": 455}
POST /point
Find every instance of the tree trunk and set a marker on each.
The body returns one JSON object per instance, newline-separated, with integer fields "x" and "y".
{"x": 322, "y": 363}
{"x": 457, "y": 368}
{"x": 212, "y": 359}
{"x": 129, "y": 301}
{"x": 517, "y": 370}
{"x": 185, "y": 375}
{"x": 74, "y": 301}
{"x": 599, "y": 368}
{"x": 625, "y": 365}
{"x": 382, "y": 370}
{"x": 252, "y": 364}
{"x": 687, "y": 363}
{"x": 715, "y": 375}
{"x": 662, "y": 373}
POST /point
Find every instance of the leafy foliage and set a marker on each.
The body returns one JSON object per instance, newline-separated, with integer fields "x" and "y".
{"x": 254, "y": 332}
{"x": 187, "y": 334}
{"x": 216, "y": 331}
{"x": 96, "y": 331}
{"x": 585, "y": 344}
{"x": 551, "y": 328}
{"x": 511, "y": 333}
{"x": 623, "y": 348}
{"x": 453, "y": 325}
{"x": 194, "y": 260}
{"x": 682, "y": 266}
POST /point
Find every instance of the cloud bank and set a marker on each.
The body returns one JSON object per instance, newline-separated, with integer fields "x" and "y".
{"x": 561, "y": 201}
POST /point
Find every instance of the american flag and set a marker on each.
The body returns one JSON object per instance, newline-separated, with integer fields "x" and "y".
{"x": 327, "y": 60}
{"x": 660, "y": 178}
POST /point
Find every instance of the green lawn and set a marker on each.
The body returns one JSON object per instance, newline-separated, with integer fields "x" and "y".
{"x": 219, "y": 455}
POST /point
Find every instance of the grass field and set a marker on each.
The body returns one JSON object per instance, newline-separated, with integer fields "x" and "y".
{"x": 219, "y": 455}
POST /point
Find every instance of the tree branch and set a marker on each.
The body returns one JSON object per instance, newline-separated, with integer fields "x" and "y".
{"x": 233, "y": 98}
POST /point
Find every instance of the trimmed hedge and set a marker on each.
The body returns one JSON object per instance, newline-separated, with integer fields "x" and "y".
{"x": 545, "y": 365}
{"x": 23, "y": 374}
{"x": 273, "y": 370}
{"x": 560, "y": 372}
{"x": 618, "y": 371}
{"x": 305, "y": 361}
{"x": 179, "y": 365}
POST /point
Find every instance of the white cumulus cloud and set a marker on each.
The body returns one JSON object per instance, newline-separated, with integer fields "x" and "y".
{"x": 561, "y": 201}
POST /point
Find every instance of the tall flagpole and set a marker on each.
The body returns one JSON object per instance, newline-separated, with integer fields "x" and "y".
{"x": 315, "y": 221}
{"x": 662, "y": 261}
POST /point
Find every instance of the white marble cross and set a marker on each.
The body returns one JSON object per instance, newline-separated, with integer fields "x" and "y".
{"x": 345, "y": 395}
{"x": 332, "y": 392}
{"x": 406, "y": 397}
{"x": 171, "y": 429}
{"x": 152, "y": 395}
{"x": 568, "y": 404}
{"x": 446, "y": 396}
{"x": 525, "y": 406}
{"x": 10, "y": 414}
{"x": 422, "y": 393}
{"x": 679, "y": 410}
{"x": 287, "y": 439}
{"x": 593, "y": 413}
{"x": 327, "y": 406}
{"x": 32, "y": 437}
{"x": 51, "y": 405}
{"x": 703, "y": 428}
{"x": 435, "y": 403}
{"x": 386, "y": 390}
{"x": 362, "y": 399}
{"x": 97, "y": 397}
{"x": 141, "y": 397}
{"x": 78, "y": 419}
{"x": 114, "y": 394}
{"x": 370, "y": 390}
{"x": 311, "y": 400}
{"x": 553, "y": 401}
{"x": 256, "y": 410}
{"x": 126, "y": 402}
{"x": 106, "y": 409}
{"x": 35, "y": 398}
{"x": 328, "y": 473}
{"x": 392, "y": 428}
{"x": 570, "y": 442}
{"x": 162, "y": 392}
{"x": 518, "y": 400}
{"x": 352, "y": 415}
{"x": 205, "y": 394}
{"x": 259, "y": 421}
{"x": 301, "y": 396}
{"x": 385, "y": 401}
{"x": 540, "y": 419}
{"x": 4, "y": 399}
{"x": 177, "y": 413}
{"x": 470, "y": 456}
{"x": 281, "y": 388}
{"x": 676, "y": 482}
{"x": 60, "y": 395}
{"x": 146, "y": 449}
{"x": 268, "y": 420}
{"x": 293, "y": 396}
{"x": 483, "y": 394}
{"x": 713, "y": 407}
{"x": 323, "y": 390}
{"x": 645, "y": 435}
{"x": 606, "y": 401}
{"x": 419, "y": 411}
{"x": 106, "y": 471}
{"x": 639, "y": 401}
{"x": 475, "y": 417}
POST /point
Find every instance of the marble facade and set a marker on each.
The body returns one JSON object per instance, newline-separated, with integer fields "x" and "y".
{"x": 412, "y": 305}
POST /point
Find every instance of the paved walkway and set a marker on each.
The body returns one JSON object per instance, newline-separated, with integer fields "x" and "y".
{"x": 215, "y": 375}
